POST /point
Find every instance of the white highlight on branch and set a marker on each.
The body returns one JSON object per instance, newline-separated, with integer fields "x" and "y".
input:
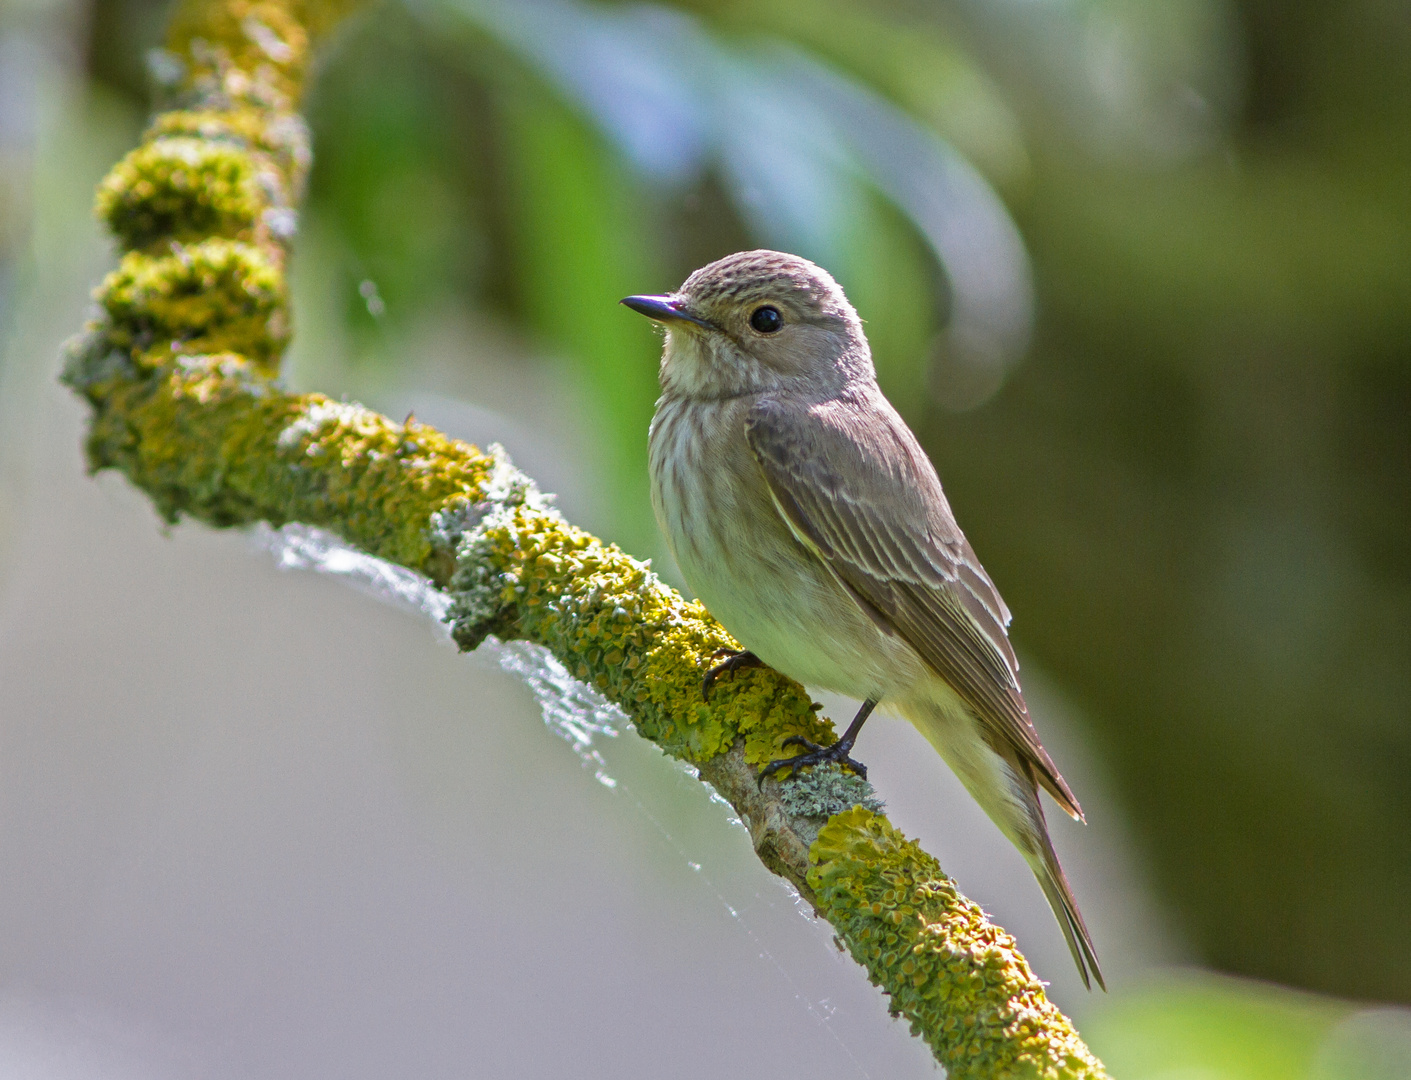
{"x": 572, "y": 710}
{"x": 314, "y": 420}
{"x": 304, "y": 547}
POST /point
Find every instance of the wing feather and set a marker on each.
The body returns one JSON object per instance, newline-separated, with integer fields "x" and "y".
{"x": 852, "y": 482}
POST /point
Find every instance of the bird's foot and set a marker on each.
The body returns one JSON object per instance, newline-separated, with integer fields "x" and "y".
{"x": 814, "y": 755}
{"x": 735, "y": 659}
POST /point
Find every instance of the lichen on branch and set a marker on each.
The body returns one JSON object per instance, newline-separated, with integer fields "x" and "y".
{"x": 181, "y": 370}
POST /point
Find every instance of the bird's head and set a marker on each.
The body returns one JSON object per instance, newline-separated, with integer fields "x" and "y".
{"x": 758, "y": 321}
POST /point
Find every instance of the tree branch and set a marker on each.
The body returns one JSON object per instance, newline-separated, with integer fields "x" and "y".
{"x": 180, "y": 368}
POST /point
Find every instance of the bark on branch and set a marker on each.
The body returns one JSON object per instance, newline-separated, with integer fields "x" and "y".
{"x": 181, "y": 370}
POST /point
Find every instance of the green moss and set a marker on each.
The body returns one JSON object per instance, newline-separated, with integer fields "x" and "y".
{"x": 209, "y": 437}
{"x": 526, "y": 572}
{"x": 215, "y": 296}
{"x": 281, "y": 138}
{"x": 181, "y": 189}
{"x": 232, "y": 71}
{"x": 957, "y": 977}
{"x": 246, "y": 51}
{"x": 244, "y": 128}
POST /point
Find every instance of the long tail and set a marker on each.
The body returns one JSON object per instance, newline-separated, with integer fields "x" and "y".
{"x": 1007, "y": 789}
{"x": 1054, "y": 882}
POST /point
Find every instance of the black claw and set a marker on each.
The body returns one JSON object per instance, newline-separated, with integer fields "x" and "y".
{"x": 732, "y": 663}
{"x": 816, "y": 755}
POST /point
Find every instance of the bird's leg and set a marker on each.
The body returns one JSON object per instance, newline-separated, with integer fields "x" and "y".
{"x": 735, "y": 659}
{"x": 817, "y": 755}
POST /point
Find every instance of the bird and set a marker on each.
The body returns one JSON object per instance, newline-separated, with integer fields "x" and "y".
{"x": 804, "y": 514}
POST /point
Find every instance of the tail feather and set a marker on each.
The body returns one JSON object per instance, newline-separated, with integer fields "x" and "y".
{"x": 1059, "y": 894}
{"x": 1070, "y": 920}
{"x": 1006, "y": 785}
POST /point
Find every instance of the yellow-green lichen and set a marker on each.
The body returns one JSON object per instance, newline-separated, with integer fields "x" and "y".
{"x": 214, "y": 296}
{"x": 957, "y": 977}
{"x": 245, "y": 128}
{"x": 252, "y": 53}
{"x": 245, "y": 51}
{"x": 526, "y": 572}
{"x": 203, "y": 437}
{"x": 232, "y": 72}
{"x": 195, "y": 317}
{"x": 181, "y": 189}
{"x": 281, "y": 138}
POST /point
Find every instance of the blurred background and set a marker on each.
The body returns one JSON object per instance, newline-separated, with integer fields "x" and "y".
{"x": 1138, "y": 272}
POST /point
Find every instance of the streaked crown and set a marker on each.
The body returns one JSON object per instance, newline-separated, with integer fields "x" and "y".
{"x": 747, "y": 277}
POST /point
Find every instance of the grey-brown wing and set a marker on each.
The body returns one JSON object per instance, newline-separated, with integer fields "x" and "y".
{"x": 854, "y": 484}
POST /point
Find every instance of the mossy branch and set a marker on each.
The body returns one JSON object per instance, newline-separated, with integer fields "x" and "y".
{"x": 181, "y": 370}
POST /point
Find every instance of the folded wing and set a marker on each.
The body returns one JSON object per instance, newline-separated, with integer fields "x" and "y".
{"x": 856, "y": 487}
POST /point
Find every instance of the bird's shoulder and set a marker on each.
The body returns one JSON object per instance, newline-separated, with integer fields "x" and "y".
{"x": 852, "y": 458}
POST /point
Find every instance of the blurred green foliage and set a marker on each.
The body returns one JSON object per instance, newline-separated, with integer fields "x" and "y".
{"x": 1190, "y": 1026}
{"x": 582, "y": 237}
{"x": 1194, "y": 489}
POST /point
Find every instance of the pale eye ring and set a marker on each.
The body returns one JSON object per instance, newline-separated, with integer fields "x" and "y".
{"x": 766, "y": 319}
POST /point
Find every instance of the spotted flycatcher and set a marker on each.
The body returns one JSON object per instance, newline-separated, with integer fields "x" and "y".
{"x": 805, "y": 515}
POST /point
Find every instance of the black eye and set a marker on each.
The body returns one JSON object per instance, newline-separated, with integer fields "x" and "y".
{"x": 766, "y": 319}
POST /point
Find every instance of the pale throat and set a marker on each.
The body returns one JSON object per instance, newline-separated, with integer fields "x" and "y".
{"x": 709, "y": 366}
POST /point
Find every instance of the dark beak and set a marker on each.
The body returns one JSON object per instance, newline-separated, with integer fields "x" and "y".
{"x": 664, "y": 309}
